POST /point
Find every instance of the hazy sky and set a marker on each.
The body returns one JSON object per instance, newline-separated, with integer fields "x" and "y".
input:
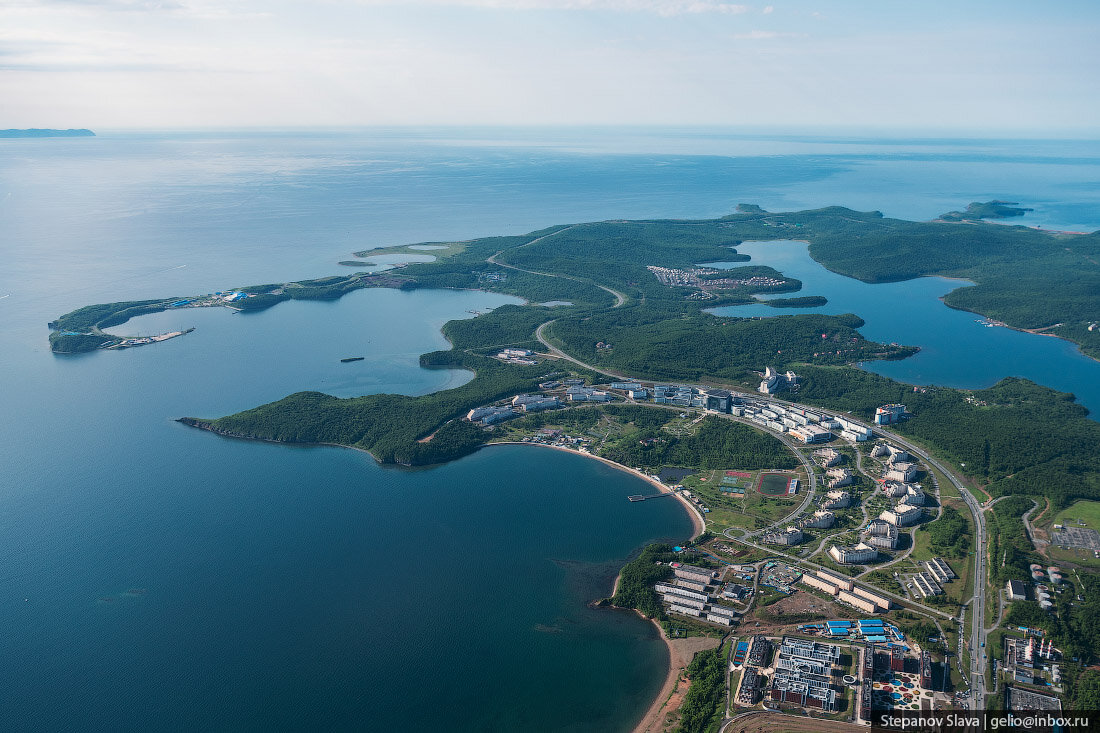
{"x": 206, "y": 63}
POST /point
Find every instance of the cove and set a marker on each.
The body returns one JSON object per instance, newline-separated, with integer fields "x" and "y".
{"x": 956, "y": 349}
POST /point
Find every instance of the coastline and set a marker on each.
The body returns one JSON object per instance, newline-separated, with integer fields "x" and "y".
{"x": 697, "y": 521}
{"x": 678, "y": 658}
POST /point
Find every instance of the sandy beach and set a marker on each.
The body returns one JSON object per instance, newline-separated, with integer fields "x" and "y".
{"x": 680, "y": 654}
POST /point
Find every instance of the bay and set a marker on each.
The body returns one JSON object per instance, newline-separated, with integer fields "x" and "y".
{"x": 279, "y": 587}
{"x": 957, "y": 348}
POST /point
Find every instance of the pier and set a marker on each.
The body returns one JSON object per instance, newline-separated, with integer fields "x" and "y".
{"x": 643, "y": 497}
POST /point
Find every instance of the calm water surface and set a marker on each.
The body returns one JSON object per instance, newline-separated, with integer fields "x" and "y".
{"x": 957, "y": 350}
{"x": 277, "y": 587}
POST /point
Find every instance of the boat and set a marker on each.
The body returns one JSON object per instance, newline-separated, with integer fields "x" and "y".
{"x": 346, "y": 359}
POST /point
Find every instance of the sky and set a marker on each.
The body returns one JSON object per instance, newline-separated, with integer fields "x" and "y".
{"x": 974, "y": 65}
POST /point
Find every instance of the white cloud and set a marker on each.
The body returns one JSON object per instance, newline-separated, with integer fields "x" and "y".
{"x": 766, "y": 35}
{"x": 659, "y": 7}
{"x": 768, "y": 10}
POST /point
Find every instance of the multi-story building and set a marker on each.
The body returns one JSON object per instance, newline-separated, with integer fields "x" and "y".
{"x": 853, "y": 555}
{"x": 836, "y": 500}
{"x": 902, "y": 515}
{"x": 857, "y": 602}
{"x": 820, "y": 520}
{"x": 875, "y": 597}
{"x": 822, "y": 585}
{"x": 838, "y": 477}
{"x": 789, "y": 536}
{"x": 902, "y": 472}
{"x": 889, "y": 414}
{"x": 926, "y": 586}
{"x": 840, "y": 581}
{"x": 748, "y": 693}
{"x": 881, "y": 535}
{"x": 940, "y": 570}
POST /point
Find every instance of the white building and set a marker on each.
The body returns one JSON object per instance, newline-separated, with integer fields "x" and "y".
{"x": 837, "y": 500}
{"x": 903, "y": 472}
{"x": 820, "y": 520}
{"x": 838, "y": 477}
{"x": 855, "y": 555}
{"x": 902, "y": 515}
{"x": 788, "y": 536}
{"x": 881, "y": 534}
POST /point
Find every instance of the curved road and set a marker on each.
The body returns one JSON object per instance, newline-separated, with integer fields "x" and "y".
{"x": 977, "y": 603}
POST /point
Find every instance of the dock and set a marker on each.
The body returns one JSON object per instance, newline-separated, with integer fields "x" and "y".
{"x": 643, "y": 497}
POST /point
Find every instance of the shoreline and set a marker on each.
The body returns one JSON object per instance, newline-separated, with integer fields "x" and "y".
{"x": 672, "y": 676}
{"x": 697, "y": 521}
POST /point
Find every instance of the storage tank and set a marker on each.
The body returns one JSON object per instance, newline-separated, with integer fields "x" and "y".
{"x": 1037, "y": 575}
{"x": 1055, "y": 578}
{"x": 1053, "y": 569}
{"x": 1036, "y": 566}
{"x": 1046, "y": 605}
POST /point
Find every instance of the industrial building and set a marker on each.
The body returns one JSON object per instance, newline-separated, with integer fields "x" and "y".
{"x": 881, "y": 535}
{"x": 853, "y": 555}
{"x": 1016, "y": 591}
{"x": 902, "y": 515}
{"x": 837, "y": 500}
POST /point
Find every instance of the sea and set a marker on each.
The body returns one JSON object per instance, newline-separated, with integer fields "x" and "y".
{"x": 155, "y": 577}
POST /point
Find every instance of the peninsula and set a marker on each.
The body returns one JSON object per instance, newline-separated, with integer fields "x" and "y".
{"x": 624, "y": 363}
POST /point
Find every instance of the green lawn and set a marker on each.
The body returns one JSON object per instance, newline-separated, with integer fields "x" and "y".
{"x": 750, "y": 510}
{"x": 1084, "y": 511}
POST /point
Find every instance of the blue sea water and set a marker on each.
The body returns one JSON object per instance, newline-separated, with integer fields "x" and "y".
{"x": 278, "y": 587}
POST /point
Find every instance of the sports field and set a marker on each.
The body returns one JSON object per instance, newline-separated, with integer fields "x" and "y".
{"x": 773, "y": 484}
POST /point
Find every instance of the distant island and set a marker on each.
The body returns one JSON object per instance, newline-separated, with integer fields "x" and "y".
{"x": 978, "y": 210}
{"x": 36, "y": 132}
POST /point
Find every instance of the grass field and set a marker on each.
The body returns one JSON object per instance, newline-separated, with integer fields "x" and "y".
{"x": 1080, "y": 511}
{"x": 750, "y": 510}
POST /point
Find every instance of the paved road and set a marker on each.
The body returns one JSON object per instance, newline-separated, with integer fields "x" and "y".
{"x": 977, "y": 648}
{"x": 977, "y": 603}
{"x": 620, "y": 298}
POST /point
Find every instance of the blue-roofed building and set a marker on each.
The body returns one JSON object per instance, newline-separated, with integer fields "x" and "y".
{"x": 843, "y": 624}
{"x": 875, "y": 639}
